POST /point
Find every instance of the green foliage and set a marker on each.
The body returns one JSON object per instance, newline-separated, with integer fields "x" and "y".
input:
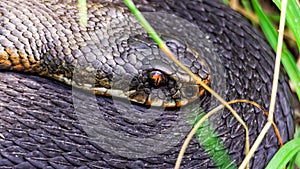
{"x": 289, "y": 152}
{"x": 143, "y": 22}
{"x": 285, "y": 154}
{"x": 212, "y": 144}
{"x": 82, "y": 12}
{"x": 272, "y": 35}
{"x": 292, "y": 17}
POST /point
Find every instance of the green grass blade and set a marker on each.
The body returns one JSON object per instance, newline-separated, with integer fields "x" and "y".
{"x": 291, "y": 164}
{"x": 210, "y": 142}
{"x": 296, "y": 159}
{"x": 286, "y": 57}
{"x": 143, "y": 22}
{"x": 292, "y": 17}
{"x": 247, "y": 5}
{"x": 285, "y": 154}
{"x": 274, "y": 17}
{"x": 225, "y": 2}
{"x": 82, "y": 12}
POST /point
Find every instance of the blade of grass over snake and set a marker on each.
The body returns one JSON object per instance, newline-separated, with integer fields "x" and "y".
{"x": 82, "y": 12}
{"x": 144, "y": 22}
{"x": 274, "y": 85}
{"x": 207, "y": 137}
{"x": 167, "y": 51}
{"x": 285, "y": 154}
{"x": 287, "y": 58}
{"x": 197, "y": 129}
{"x": 254, "y": 19}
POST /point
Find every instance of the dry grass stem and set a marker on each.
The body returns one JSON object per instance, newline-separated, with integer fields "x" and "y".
{"x": 252, "y": 17}
{"x": 274, "y": 86}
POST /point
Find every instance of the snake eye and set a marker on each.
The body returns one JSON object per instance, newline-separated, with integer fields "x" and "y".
{"x": 157, "y": 78}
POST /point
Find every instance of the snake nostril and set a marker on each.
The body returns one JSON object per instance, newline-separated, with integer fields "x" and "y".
{"x": 173, "y": 91}
{"x": 190, "y": 91}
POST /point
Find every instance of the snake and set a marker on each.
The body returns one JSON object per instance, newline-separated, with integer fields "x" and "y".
{"x": 105, "y": 96}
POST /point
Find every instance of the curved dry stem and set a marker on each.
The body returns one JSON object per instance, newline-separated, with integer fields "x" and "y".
{"x": 265, "y": 113}
{"x": 274, "y": 86}
{"x": 192, "y": 133}
{"x": 199, "y": 123}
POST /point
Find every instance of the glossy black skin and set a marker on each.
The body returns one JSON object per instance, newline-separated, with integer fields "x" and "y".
{"x": 41, "y": 129}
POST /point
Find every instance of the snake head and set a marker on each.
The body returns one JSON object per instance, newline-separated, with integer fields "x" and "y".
{"x": 158, "y": 88}
{"x": 143, "y": 74}
{"x": 159, "y": 81}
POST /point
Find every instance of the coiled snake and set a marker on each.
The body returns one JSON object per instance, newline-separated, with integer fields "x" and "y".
{"x": 45, "y": 123}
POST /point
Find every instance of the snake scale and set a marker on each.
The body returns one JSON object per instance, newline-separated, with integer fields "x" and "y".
{"x": 48, "y": 124}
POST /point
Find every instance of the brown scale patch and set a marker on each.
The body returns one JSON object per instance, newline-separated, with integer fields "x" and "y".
{"x": 24, "y": 60}
{"x": 18, "y": 67}
{"x": 103, "y": 82}
{"x": 97, "y": 92}
{"x": 38, "y": 68}
{"x": 26, "y": 64}
{"x": 5, "y": 63}
{"x": 19, "y": 61}
{"x": 28, "y": 61}
{"x": 13, "y": 56}
{"x": 202, "y": 90}
{"x": 178, "y": 104}
{"x": 31, "y": 59}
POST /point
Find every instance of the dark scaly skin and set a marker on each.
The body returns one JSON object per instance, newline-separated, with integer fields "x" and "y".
{"x": 55, "y": 45}
{"x": 41, "y": 128}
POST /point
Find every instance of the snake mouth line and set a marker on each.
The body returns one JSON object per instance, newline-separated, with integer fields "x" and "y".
{"x": 178, "y": 99}
{"x": 140, "y": 98}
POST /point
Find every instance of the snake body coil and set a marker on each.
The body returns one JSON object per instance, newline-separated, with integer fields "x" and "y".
{"x": 45, "y": 123}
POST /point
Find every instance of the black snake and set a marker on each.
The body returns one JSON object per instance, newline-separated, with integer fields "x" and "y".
{"x": 45, "y": 123}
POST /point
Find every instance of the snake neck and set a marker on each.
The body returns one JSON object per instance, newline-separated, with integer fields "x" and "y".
{"x": 50, "y": 41}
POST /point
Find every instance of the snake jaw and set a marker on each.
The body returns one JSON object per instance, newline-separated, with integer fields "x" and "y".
{"x": 154, "y": 102}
